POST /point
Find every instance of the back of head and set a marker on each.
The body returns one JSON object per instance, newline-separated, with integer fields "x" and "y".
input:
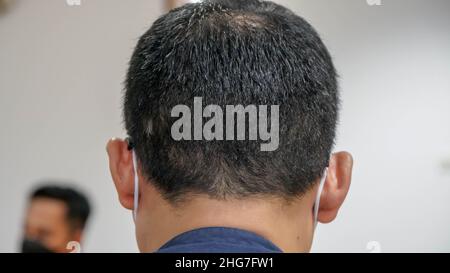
{"x": 245, "y": 52}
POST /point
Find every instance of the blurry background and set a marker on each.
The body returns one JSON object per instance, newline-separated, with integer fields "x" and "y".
{"x": 61, "y": 74}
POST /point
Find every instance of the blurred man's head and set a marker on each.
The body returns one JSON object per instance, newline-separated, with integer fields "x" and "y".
{"x": 230, "y": 53}
{"x": 55, "y": 216}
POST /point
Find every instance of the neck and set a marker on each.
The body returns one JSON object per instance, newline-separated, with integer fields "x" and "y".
{"x": 287, "y": 225}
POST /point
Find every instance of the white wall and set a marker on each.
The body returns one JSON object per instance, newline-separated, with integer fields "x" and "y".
{"x": 61, "y": 71}
{"x": 61, "y": 74}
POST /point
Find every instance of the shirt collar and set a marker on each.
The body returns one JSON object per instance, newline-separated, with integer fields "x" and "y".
{"x": 219, "y": 239}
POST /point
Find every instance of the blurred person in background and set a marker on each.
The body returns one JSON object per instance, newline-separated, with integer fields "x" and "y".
{"x": 55, "y": 217}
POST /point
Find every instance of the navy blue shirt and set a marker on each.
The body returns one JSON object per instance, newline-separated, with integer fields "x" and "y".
{"x": 219, "y": 240}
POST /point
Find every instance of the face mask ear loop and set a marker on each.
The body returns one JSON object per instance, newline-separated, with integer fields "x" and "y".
{"x": 319, "y": 194}
{"x": 136, "y": 187}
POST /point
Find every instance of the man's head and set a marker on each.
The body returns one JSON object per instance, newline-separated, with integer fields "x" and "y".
{"x": 231, "y": 53}
{"x": 55, "y": 216}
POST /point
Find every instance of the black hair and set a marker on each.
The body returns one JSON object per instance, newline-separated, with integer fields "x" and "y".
{"x": 78, "y": 208}
{"x": 245, "y": 52}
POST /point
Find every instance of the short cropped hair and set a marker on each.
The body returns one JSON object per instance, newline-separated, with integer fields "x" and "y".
{"x": 245, "y": 52}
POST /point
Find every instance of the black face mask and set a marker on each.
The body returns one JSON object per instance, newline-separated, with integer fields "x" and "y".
{"x": 33, "y": 246}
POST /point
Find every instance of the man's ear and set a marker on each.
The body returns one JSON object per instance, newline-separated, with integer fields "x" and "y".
{"x": 122, "y": 172}
{"x": 336, "y": 186}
